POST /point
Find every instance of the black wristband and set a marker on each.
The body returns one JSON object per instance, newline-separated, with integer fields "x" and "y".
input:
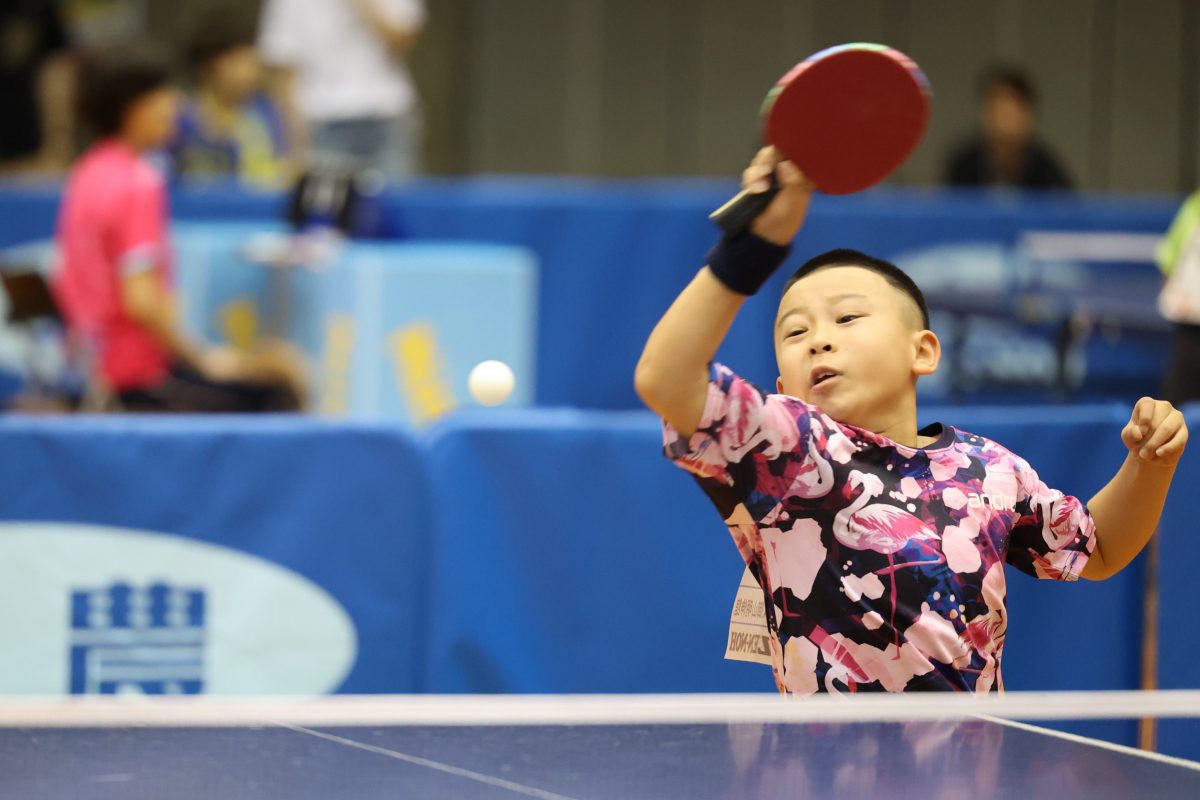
{"x": 745, "y": 261}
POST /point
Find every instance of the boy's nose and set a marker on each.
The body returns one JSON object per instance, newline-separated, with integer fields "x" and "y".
{"x": 825, "y": 347}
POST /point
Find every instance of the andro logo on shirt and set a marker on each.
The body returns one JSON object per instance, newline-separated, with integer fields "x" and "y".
{"x": 93, "y": 609}
{"x": 1000, "y": 502}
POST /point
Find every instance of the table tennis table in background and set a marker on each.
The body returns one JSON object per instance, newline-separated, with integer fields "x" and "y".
{"x": 1067, "y": 288}
{"x": 551, "y": 756}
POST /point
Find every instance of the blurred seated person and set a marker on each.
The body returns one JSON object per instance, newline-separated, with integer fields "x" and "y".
{"x": 229, "y": 127}
{"x": 114, "y": 274}
{"x": 36, "y": 85}
{"x": 1006, "y": 152}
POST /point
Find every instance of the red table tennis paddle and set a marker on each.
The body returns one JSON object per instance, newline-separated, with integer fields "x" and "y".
{"x": 847, "y": 116}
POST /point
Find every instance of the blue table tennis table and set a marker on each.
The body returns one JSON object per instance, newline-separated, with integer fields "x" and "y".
{"x": 973, "y": 757}
{"x": 1090, "y": 295}
{"x": 1069, "y": 319}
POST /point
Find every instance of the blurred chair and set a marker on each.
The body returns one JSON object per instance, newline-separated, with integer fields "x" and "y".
{"x": 58, "y": 366}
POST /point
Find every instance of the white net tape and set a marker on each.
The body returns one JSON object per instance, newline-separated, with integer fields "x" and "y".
{"x": 595, "y": 709}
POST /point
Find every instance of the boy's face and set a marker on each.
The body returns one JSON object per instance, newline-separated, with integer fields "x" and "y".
{"x": 150, "y": 121}
{"x": 1007, "y": 117}
{"x": 850, "y": 343}
{"x": 235, "y": 75}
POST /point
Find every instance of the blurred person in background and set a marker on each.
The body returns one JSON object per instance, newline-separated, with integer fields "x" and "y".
{"x": 1179, "y": 301}
{"x": 1006, "y": 152}
{"x": 36, "y": 88}
{"x": 229, "y": 127}
{"x": 114, "y": 276}
{"x": 341, "y": 75}
{"x": 95, "y": 24}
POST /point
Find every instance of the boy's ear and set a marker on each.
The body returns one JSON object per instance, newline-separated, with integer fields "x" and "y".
{"x": 928, "y": 353}
{"x": 779, "y": 385}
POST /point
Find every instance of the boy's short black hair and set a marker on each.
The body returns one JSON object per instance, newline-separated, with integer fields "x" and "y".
{"x": 845, "y": 257}
{"x": 113, "y": 80}
{"x": 1015, "y": 79}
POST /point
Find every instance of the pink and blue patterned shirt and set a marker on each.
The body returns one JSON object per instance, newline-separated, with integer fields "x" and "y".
{"x": 882, "y": 565}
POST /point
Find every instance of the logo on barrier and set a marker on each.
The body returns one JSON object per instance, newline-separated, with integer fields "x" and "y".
{"x": 90, "y": 609}
{"x": 131, "y": 639}
{"x": 421, "y": 372}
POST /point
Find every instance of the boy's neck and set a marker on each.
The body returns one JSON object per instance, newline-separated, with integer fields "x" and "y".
{"x": 908, "y": 436}
{"x": 900, "y": 425}
{"x": 131, "y": 142}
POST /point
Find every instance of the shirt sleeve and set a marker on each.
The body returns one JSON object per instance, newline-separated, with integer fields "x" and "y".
{"x": 139, "y": 238}
{"x": 1181, "y": 229}
{"x": 962, "y": 167}
{"x": 1049, "y": 172}
{"x": 739, "y": 424}
{"x": 1054, "y": 536}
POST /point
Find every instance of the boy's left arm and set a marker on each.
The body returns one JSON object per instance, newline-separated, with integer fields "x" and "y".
{"x": 1126, "y": 511}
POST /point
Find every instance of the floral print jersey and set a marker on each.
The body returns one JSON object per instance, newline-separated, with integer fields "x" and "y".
{"x": 882, "y": 565}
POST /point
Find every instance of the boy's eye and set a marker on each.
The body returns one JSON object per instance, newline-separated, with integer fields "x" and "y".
{"x": 796, "y": 332}
{"x": 848, "y": 317}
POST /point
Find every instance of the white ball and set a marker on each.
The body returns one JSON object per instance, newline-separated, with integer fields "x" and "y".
{"x": 490, "y": 382}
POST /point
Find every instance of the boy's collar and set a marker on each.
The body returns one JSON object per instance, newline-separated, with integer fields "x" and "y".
{"x": 944, "y": 435}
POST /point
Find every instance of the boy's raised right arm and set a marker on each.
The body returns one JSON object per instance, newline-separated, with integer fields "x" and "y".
{"x": 672, "y": 374}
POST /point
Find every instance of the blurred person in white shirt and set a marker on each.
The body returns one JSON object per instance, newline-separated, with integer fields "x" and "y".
{"x": 342, "y": 78}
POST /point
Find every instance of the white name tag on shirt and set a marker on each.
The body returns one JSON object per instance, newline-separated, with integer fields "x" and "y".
{"x": 749, "y": 637}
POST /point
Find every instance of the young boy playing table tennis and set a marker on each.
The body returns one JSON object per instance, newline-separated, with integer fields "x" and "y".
{"x": 880, "y": 547}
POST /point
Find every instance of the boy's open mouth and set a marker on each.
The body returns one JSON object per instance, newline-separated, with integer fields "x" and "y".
{"x": 821, "y": 374}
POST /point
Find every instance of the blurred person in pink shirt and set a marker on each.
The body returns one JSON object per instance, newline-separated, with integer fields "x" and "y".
{"x": 114, "y": 278}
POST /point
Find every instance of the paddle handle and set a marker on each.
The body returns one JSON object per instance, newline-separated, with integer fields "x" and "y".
{"x": 735, "y": 216}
